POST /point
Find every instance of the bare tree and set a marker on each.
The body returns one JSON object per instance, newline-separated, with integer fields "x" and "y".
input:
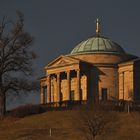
{"x": 93, "y": 121}
{"x": 15, "y": 59}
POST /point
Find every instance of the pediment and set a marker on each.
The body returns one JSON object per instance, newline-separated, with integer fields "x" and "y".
{"x": 62, "y": 61}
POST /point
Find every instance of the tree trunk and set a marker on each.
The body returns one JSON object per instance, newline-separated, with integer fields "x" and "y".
{"x": 2, "y": 105}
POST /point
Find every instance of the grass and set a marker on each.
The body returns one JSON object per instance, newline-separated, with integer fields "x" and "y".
{"x": 65, "y": 127}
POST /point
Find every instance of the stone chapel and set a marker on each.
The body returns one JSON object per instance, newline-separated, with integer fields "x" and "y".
{"x": 97, "y": 69}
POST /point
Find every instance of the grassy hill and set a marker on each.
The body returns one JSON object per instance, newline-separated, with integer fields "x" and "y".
{"x": 65, "y": 126}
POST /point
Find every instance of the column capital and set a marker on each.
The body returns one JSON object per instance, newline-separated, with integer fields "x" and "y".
{"x": 78, "y": 72}
{"x": 77, "y": 69}
{"x": 58, "y": 73}
{"x": 120, "y": 73}
{"x": 67, "y": 71}
{"x": 48, "y": 76}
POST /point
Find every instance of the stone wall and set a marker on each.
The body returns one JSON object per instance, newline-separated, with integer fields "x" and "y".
{"x": 126, "y": 81}
{"x": 137, "y": 80}
{"x": 102, "y": 58}
{"x": 108, "y": 79}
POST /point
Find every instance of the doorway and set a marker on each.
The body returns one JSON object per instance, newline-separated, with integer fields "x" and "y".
{"x": 72, "y": 95}
{"x": 104, "y": 94}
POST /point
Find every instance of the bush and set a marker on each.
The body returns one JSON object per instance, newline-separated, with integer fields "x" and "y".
{"x": 94, "y": 120}
{"x": 27, "y": 110}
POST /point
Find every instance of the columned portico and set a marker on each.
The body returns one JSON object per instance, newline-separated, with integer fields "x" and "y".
{"x": 64, "y": 83}
{"x": 62, "y": 90}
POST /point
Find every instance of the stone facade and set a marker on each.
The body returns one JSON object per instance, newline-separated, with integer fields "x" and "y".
{"x": 73, "y": 78}
{"x": 129, "y": 80}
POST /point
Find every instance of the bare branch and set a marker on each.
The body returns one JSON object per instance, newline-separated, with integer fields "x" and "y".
{"x": 15, "y": 57}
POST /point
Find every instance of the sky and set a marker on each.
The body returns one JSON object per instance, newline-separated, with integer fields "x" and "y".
{"x": 59, "y": 25}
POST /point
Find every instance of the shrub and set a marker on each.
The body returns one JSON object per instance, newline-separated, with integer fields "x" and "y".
{"x": 27, "y": 110}
{"x": 94, "y": 120}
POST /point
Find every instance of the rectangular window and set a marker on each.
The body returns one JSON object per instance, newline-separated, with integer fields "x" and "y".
{"x": 104, "y": 94}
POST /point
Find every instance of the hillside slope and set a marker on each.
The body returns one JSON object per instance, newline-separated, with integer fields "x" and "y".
{"x": 64, "y": 126}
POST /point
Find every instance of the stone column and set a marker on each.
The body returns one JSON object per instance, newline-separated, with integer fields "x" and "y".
{"x": 42, "y": 96}
{"x": 78, "y": 84}
{"x": 123, "y": 87}
{"x": 58, "y": 87}
{"x": 48, "y": 89}
{"x": 68, "y": 85}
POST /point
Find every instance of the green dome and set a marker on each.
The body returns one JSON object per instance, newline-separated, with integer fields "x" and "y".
{"x": 97, "y": 44}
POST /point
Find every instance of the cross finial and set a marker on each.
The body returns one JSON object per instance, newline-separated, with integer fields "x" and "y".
{"x": 97, "y": 27}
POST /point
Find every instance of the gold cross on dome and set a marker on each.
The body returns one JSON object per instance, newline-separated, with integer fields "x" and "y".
{"x": 97, "y": 26}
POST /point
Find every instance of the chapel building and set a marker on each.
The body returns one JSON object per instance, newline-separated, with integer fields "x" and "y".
{"x": 97, "y": 69}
